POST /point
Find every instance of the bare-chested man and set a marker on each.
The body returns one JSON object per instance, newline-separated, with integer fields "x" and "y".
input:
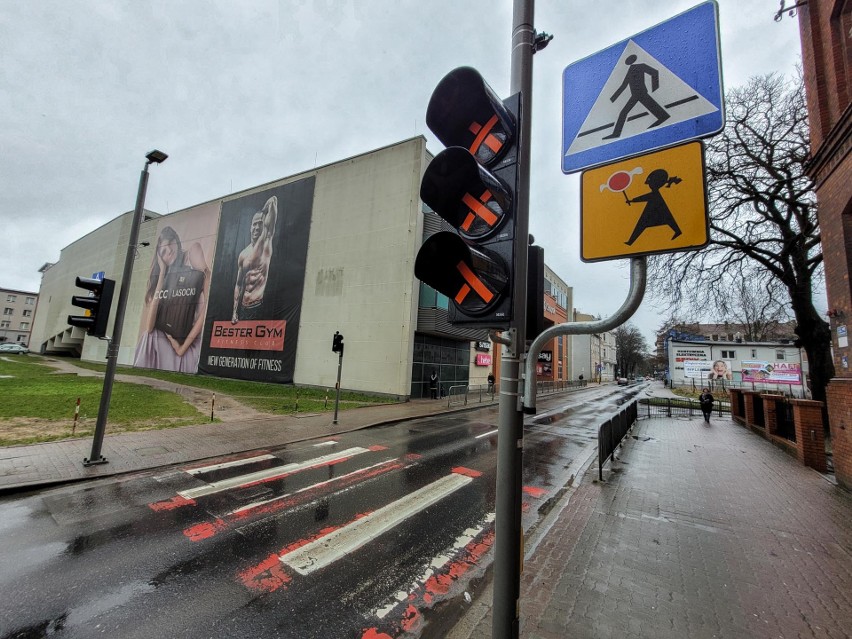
{"x": 253, "y": 264}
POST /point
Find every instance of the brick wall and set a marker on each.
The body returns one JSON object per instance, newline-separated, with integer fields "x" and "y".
{"x": 825, "y": 61}
{"x": 839, "y": 398}
{"x": 810, "y": 438}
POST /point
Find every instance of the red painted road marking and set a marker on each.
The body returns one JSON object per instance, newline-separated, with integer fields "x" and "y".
{"x": 205, "y": 530}
{"x": 170, "y": 504}
{"x": 534, "y": 491}
{"x": 269, "y": 575}
{"x": 433, "y": 587}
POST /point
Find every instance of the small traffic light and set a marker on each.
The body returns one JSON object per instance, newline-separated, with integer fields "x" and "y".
{"x": 337, "y": 343}
{"x": 97, "y": 305}
{"x": 472, "y": 185}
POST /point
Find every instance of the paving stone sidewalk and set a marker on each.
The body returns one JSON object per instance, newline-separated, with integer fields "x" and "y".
{"x": 698, "y": 531}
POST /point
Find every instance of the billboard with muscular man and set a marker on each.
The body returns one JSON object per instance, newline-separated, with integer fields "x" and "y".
{"x": 252, "y": 321}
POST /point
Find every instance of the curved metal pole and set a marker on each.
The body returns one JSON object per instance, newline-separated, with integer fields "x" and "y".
{"x": 499, "y": 339}
{"x": 638, "y": 280}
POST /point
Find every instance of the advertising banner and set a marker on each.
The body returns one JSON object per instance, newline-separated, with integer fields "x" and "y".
{"x": 777, "y": 373}
{"x": 177, "y": 291}
{"x": 696, "y": 369}
{"x": 252, "y": 325}
{"x": 483, "y": 360}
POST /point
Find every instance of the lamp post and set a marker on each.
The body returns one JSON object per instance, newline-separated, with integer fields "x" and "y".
{"x": 154, "y": 157}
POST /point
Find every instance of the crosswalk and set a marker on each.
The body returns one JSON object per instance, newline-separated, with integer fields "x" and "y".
{"x": 222, "y": 498}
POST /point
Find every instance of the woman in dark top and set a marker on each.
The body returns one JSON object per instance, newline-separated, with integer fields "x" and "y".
{"x": 706, "y": 401}
{"x": 178, "y": 286}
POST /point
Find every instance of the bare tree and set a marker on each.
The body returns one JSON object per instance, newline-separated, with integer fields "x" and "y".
{"x": 763, "y": 222}
{"x": 630, "y": 348}
{"x": 760, "y": 309}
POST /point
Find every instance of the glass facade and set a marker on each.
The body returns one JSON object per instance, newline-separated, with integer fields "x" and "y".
{"x": 449, "y": 358}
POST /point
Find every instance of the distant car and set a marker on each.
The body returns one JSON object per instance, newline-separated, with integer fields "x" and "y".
{"x": 622, "y": 381}
{"x": 14, "y": 349}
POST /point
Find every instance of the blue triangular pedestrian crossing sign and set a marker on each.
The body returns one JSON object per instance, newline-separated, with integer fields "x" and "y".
{"x": 657, "y": 89}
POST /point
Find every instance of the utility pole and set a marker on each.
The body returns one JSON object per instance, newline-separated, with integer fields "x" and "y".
{"x": 154, "y": 157}
{"x": 508, "y": 544}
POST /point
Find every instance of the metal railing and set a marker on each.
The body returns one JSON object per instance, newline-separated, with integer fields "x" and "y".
{"x": 545, "y": 388}
{"x": 477, "y": 394}
{"x": 612, "y": 431}
{"x": 671, "y": 407}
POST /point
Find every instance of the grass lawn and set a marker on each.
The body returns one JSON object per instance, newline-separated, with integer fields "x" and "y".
{"x": 38, "y": 402}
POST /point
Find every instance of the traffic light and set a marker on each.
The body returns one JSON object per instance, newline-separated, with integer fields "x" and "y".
{"x": 472, "y": 185}
{"x": 536, "y": 321}
{"x": 337, "y": 343}
{"x": 97, "y": 305}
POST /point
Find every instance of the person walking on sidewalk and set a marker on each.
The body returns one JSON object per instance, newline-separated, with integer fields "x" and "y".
{"x": 706, "y": 401}
{"x": 433, "y": 385}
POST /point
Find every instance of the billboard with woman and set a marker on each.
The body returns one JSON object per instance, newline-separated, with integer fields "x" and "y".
{"x": 177, "y": 291}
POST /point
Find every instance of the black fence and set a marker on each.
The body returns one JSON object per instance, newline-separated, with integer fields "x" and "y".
{"x": 670, "y": 407}
{"x": 612, "y": 432}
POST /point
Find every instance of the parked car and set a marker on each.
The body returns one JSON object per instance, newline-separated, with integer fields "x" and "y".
{"x": 14, "y": 349}
{"x": 622, "y": 381}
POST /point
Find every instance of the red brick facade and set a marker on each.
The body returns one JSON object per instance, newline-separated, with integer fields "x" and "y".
{"x": 825, "y": 26}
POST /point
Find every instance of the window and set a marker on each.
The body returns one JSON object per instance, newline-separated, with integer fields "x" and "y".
{"x": 714, "y": 338}
{"x": 11, "y": 298}
{"x": 729, "y": 354}
{"x": 30, "y": 301}
{"x": 28, "y": 313}
{"x": 8, "y": 311}
{"x": 5, "y": 324}
{"x": 780, "y": 355}
{"x": 25, "y": 326}
{"x": 21, "y": 339}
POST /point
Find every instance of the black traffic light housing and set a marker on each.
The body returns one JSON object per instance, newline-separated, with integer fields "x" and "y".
{"x": 337, "y": 343}
{"x": 472, "y": 185}
{"x": 97, "y": 305}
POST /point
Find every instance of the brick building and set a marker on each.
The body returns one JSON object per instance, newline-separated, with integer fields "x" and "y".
{"x": 824, "y": 27}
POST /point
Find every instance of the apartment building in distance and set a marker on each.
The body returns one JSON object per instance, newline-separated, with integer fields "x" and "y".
{"x": 18, "y": 313}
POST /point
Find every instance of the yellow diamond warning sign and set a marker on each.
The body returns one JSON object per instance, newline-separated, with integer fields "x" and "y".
{"x": 654, "y": 203}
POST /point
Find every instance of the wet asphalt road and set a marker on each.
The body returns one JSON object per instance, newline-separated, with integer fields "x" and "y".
{"x": 362, "y": 535}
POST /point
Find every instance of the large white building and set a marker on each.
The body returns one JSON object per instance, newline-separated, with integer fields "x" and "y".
{"x": 339, "y": 255}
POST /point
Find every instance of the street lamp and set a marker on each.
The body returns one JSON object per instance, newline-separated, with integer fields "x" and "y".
{"x": 154, "y": 157}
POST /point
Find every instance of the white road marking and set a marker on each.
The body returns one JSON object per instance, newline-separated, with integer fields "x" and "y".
{"x": 268, "y": 473}
{"x": 339, "y": 543}
{"x": 488, "y": 434}
{"x": 230, "y": 464}
{"x": 306, "y": 488}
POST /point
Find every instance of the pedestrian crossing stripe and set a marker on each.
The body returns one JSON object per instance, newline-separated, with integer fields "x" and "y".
{"x": 679, "y": 100}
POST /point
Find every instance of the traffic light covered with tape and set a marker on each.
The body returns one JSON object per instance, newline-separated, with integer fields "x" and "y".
{"x": 97, "y": 305}
{"x": 337, "y": 343}
{"x": 472, "y": 185}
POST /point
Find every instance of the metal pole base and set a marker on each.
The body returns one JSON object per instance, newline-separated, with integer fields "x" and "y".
{"x": 91, "y": 462}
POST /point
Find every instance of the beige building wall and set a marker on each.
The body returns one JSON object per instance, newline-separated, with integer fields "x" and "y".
{"x": 359, "y": 279}
{"x": 366, "y": 227}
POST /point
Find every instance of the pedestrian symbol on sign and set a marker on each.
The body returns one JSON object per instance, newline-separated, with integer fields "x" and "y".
{"x": 635, "y": 82}
{"x": 616, "y": 114}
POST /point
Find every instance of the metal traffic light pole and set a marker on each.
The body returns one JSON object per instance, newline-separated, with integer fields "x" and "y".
{"x": 508, "y": 545}
{"x": 115, "y": 341}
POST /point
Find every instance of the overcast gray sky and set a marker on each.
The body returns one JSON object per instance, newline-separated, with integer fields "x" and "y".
{"x": 239, "y": 93}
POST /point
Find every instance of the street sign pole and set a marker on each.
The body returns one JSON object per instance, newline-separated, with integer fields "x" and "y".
{"x": 508, "y": 546}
